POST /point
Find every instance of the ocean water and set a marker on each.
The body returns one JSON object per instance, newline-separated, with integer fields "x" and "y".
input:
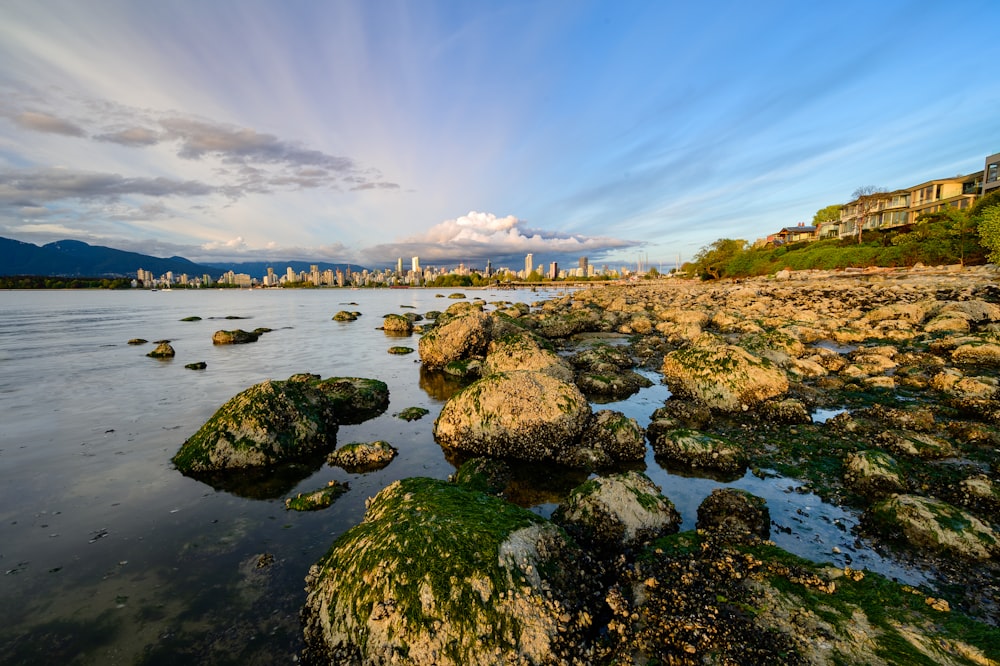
{"x": 111, "y": 556}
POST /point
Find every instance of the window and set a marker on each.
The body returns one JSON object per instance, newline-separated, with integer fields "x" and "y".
{"x": 991, "y": 172}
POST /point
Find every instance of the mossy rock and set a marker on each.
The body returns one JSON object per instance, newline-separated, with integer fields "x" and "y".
{"x": 397, "y": 324}
{"x": 138, "y": 341}
{"x": 275, "y": 421}
{"x": 197, "y": 365}
{"x": 401, "y": 351}
{"x": 344, "y": 315}
{"x": 917, "y": 444}
{"x": 192, "y": 318}
{"x": 163, "y": 350}
{"x": 929, "y": 524}
{"x": 235, "y": 337}
{"x": 523, "y": 350}
{"x": 412, "y": 413}
{"x": 695, "y": 449}
{"x": 456, "y": 295}
{"x": 615, "y": 386}
{"x": 609, "y": 439}
{"x": 363, "y": 456}
{"x": 317, "y": 499}
{"x": 440, "y": 574}
{"x": 735, "y": 514}
{"x": 873, "y": 474}
{"x": 618, "y": 512}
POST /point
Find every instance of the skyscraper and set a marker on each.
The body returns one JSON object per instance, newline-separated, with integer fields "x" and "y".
{"x": 416, "y": 264}
{"x": 528, "y": 264}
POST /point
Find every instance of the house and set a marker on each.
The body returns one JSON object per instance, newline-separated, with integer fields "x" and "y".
{"x": 991, "y": 174}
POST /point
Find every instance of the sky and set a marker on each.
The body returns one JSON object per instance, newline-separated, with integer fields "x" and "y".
{"x": 363, "y": 131}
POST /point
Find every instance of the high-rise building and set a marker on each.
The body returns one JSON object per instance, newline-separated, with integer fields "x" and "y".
{"x": 416, "y": 264}
{"x": 553, "y": 270}
{"x": 584, "y": 265}
{"x": 399, "y": 266}
{"x": 528, "y": 264}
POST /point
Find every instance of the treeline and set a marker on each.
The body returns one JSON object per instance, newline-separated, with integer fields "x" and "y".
{"x": 950, "y": 236}
{"x": 48, "y": 282}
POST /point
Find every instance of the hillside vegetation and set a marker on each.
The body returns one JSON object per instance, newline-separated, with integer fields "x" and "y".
{"x": 950, "y": 236}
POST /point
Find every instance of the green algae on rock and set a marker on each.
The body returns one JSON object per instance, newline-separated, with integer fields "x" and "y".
{"x": 344, "y": 315}
{"x": 277, "y": 420}
{"x": 363, "y": 456}
{"x": 317, "y": 499}
{"x": 235, "y": 337}
{"x": 440, "y": 574}
{"x": 696, "y": 449}
{"x": 617, "y": 512}
{"x": 524, "y": 415}
{"x": 412, "y": 413}
{"x": 396, "y": 324}
{"x": 400, "y": 351}
{"x": 934, "y": 525}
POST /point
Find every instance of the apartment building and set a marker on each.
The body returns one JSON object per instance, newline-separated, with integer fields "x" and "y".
{"x": 991, "y": 174}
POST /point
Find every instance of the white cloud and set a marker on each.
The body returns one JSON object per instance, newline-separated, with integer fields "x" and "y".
{"x": 479, "y": 236}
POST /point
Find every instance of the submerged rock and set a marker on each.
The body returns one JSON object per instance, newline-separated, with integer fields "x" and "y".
{"x": 317, "y": 499}
{"x": 279, "y": 420}
{"x": 522, "y": 414}
{"x": 722, "y": 376}
{"x": 397, "y": 324}
{"x": 617, "y": 512}
{"x": 438, "y": 574}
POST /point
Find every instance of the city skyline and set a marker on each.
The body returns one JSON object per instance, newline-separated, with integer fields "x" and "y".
{"x": 459, "y": 132}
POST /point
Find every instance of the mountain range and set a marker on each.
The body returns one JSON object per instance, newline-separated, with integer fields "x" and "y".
{"x": 73, "y": 258}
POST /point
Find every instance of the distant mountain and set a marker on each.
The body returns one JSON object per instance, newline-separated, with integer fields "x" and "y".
{"x": 72, "y": 258}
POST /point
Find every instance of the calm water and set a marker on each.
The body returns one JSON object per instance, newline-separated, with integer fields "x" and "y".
{"x": 110, "y": 556}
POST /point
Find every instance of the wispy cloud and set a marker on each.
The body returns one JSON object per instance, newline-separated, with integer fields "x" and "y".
{"x": 43, "y": 122}
{"x": 48, "y": 185}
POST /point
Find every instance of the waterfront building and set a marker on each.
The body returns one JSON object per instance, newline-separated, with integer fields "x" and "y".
{"x": 991, "y": 174}
{"x": 528, "y": 265}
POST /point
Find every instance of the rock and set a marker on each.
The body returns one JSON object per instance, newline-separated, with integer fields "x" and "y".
{"x": 525, "y": 351}
{"x": 987, "y": 353}
{"x": 438, "y": 574}
{"x": 412, "y": 413}
{"x": 461, "y": 337}
{"x": 363, "y": 456}
{"x": 789, "y": 410}
{"x": 617, "y": 513}
{"x": 873, "y": 474}
{"x": 395, "y": 324}
{"x": 163, "y": 350}
{"x": 930, "y": 524}
{"x": 917, "y": 444}
{"x": 317, "y": 499}
{"x": 691, "y": 448}
{"x": 610, "y": 438}
{"x": 721, "y": 376}
{"x": 735, "y": 513}
{"x": 138, "y": 341}
{"x": 237, "y": 337}
{"x": 276, "y": 421}
{"x": 344, "y": 315}
{"x": 616, "y": 386}
{"x": 522, "y": 414}
{"x": 192, "y": 318}
{"x": 401, "y": 351}
{"x": 198, "y": 365}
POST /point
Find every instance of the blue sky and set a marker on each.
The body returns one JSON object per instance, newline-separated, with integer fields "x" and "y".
{"x": 460, "y": 131}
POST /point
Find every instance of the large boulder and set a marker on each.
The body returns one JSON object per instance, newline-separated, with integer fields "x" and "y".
{"x": 275, "y": 421}
{"x": 617, "y": 512}
{"x": 440, "y": 574}
{"x": 930, "y": 524}
{"x": 463, "y": 336}
{"x": 724, "y": 377}
{"x": 524, "y": 351}
{"x": 522, "y": 414}
{"x": 609, "y": 439}
{"x": 873, "y": 474}
{"x": 396, "y": 324}
{"x": 735, "y": 513}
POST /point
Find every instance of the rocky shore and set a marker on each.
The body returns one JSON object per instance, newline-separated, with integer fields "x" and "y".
{"x": 903, "y": 366}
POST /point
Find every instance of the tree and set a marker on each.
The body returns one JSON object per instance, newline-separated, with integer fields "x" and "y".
{"x": 866, "y": 199}
{"x": 829, "y": 214}
{"x": 989, "y": 232}
{"x": 712, "y": 260}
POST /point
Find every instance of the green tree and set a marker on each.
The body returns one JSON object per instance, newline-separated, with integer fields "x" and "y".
{"x": 712, "y": 261}
{"x": 989, "y": 232}
{"x": 829, "y": 214}
{"x": 866, "y": 198}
